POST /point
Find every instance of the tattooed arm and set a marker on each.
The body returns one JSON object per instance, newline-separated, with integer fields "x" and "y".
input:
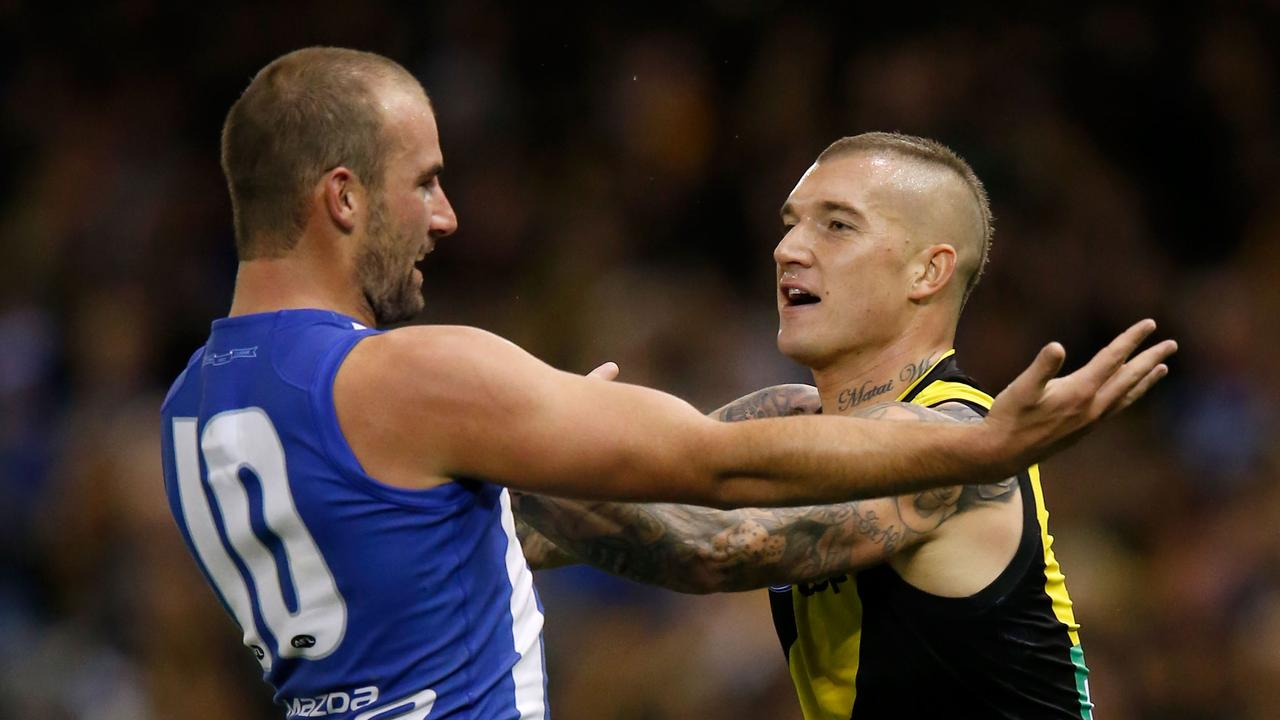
{"x": 539, "y": 552}
{"x": 699, "y": 550}
{"x": 774, "y": 401}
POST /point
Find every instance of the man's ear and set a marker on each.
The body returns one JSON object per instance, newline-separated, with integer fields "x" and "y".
{"x": 343, "y": 197}
{"x": 933, "y": 269}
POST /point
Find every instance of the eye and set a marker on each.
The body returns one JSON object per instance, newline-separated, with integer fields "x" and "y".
{"x": 839, "y": 226}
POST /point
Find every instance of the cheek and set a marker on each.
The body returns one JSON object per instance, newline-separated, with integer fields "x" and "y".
{"x": 869, "y": 288}
{"x": 406, "y": 217}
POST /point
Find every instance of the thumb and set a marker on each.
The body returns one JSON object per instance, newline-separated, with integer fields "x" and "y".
{"x": 1043, "y": 369}
{"x": 607, "y": 371}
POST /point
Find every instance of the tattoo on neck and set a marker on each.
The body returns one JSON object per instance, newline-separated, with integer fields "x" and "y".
{"x": 852, "y": 397}
{"x": 911, "y": 373}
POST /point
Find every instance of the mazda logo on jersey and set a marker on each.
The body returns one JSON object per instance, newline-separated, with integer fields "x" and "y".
{"x": 303, "y": 641}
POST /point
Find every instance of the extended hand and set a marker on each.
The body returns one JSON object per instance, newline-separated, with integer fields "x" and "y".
{"x": 1038, "y": 414}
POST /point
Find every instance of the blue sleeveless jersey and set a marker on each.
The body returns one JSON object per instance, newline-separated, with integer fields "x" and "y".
{"x": 361, "y": 601}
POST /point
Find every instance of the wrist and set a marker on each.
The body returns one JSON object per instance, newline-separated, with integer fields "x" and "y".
{"x": 989, "y": 448}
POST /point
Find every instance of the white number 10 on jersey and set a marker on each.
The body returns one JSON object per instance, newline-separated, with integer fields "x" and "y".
{"x": 246, "y": 439}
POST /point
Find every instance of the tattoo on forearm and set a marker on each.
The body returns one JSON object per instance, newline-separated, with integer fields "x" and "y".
{"x": 697, "y": 549}
{"x": 539, "y": 552}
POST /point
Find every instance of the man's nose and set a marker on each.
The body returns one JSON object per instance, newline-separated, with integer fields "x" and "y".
{"x": 793, "y": 249}
{"x": 443, "y": 220}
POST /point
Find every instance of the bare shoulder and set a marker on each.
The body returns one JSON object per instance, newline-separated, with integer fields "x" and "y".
{"x": 423, "y": 346}
{"x": 397, "y": 392}
{"x": 426, "y": 359}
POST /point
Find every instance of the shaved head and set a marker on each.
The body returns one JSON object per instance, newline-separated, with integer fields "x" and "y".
{"x": 302, "y": 115}
{"x": 929, "y": 190}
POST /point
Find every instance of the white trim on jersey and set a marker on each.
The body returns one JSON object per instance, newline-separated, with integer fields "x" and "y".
{"x": 526, "y": 623}
{"x": 204, "y": 535}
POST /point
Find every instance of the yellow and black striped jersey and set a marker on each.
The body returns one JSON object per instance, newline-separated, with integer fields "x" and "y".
{"x": 872, "y": 646}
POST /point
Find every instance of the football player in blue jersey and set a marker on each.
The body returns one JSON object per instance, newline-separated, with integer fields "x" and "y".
{"x": 343, "y": 488}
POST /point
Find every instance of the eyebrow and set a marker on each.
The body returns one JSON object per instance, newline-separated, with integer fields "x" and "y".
{"x": 431, "y": 172}
{"x": 826, "y": 206}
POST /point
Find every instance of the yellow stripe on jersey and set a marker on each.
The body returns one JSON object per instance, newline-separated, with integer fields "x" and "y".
{"x": 907, "y": 390}
{"x": 1055, "y": 584}
{"x": 825, "y": 656}
{"x": 947, "y": 391}
{"x": 824, "y": 659}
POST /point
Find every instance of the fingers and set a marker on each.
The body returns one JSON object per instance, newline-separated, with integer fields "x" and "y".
{"x": 1152, "y": 377}
{"x": 1115, "y": 394}
{"x": 1109, "y": 359}
{"x": 607, "y": 371}
{"x": 1043, "y": 369}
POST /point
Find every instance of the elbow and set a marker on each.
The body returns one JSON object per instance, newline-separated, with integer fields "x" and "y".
{"x": 706, "y": 570}
{"x": 700, "y": 578}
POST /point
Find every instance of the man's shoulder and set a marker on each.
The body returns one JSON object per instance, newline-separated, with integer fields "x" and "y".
{"x": 424, "y": 347}
{"x": 405, "y": 399}
{"x": 422, "y": 365}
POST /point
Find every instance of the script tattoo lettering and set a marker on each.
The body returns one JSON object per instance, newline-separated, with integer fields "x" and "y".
{"x": 911, "y": 373}
{"x": 849, "y": 397}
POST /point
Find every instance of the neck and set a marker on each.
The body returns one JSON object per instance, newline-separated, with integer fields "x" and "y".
{"x": 293, "y": 283}
{"x": 874, "y": 375}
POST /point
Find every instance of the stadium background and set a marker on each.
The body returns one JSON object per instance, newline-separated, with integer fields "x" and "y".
{"x": 617, "y": 174}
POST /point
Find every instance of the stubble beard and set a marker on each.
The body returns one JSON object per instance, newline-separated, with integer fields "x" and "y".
{"x": 387, "y": 285}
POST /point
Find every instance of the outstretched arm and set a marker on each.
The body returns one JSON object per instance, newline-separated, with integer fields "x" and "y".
{"x": 424, "y": 404}
{"x": 775, "y": 401}
{"x": 700, "y": 550}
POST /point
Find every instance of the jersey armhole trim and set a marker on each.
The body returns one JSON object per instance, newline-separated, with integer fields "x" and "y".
{"x": 941, "y": 392}
{"x": 325, "y": 415}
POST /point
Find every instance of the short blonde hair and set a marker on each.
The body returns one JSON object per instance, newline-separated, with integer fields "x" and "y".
{"x": 933, "y": 152}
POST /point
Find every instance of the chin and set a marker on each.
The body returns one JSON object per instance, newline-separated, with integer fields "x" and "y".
{"x": 401, "y": 309}
{"x": 801, "y": 350}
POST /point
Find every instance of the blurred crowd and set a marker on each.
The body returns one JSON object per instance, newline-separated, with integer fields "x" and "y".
{"x": 617, "y": 174}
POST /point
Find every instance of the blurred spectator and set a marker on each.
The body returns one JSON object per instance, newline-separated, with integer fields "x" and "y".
{"x": 617, "y": 175}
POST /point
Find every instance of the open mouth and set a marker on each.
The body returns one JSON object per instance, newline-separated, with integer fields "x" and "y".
{"x": 794, "y": 296}
{"x": 424, "y": 251}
